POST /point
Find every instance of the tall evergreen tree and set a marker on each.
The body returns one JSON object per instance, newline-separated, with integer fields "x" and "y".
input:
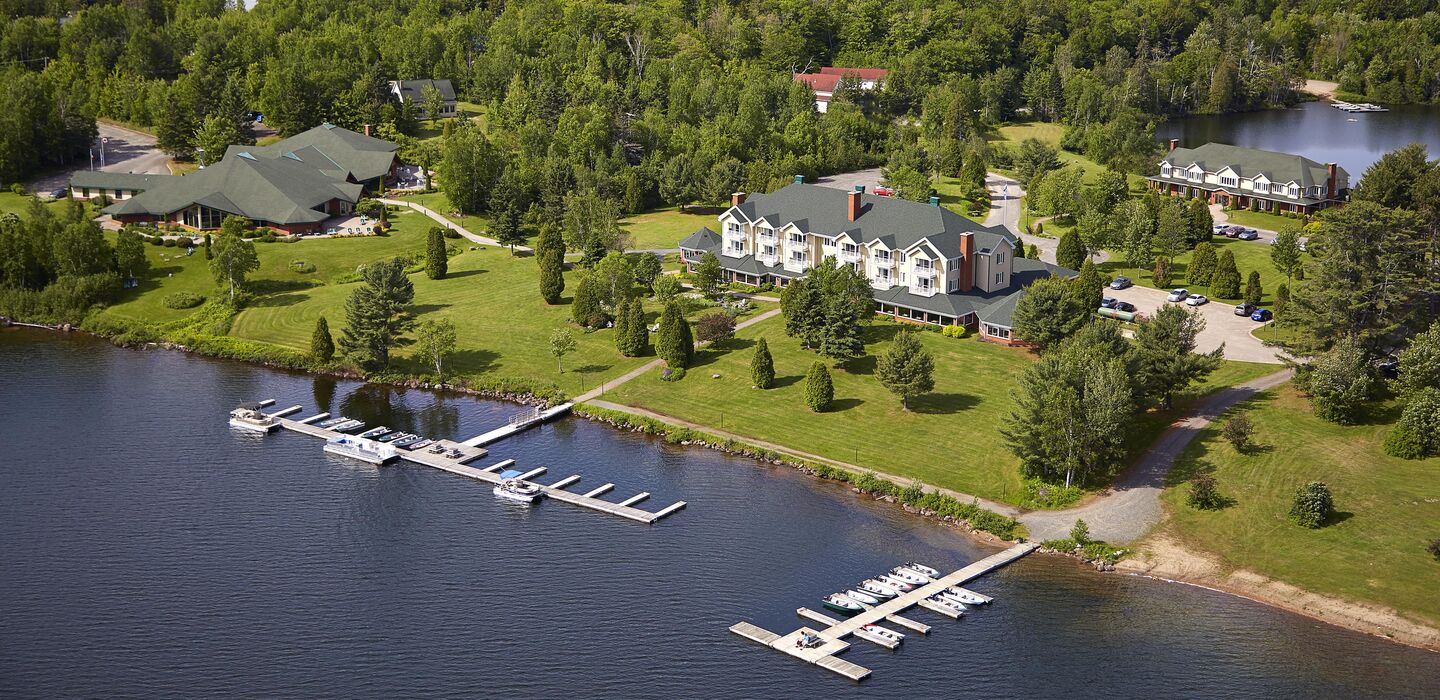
{"x": 639, "y": 333}
{"x": 506, "y": 211}
{"x": 322, "y": 346}
{"x": 819, "y": 390}
{"x": 1202, "y": 264}
{"x": 1225, "y": 282}
{"x": 375, "y": 313}
{"x": 437, "y": 261}
{"x": 1070, "y": 253}
{"x": 1165, "y": 357}
{"x": 906, "y": 369}
{"x": 586, "y": 310}
{"x": 1087, "y": 287}
{"x": 550, "y": 255}
{"x": 674, "y": 342}
{"x": 622, "y": 328}
{"x": 762, "y": 366}
{"x": 1253, "y": 290}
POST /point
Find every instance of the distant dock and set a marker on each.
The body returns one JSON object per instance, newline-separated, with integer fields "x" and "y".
{"x": 833, "y": 632}
{"x": 469, "y": 451}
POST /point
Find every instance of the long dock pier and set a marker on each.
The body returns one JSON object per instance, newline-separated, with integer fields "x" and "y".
{"x": 458, "y": 465}
{"x": 833, "y": 632}
{"x": 518, "y": 423}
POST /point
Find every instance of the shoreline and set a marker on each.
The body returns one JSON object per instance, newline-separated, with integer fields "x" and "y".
{"x": 1163, "y": 558}
{"x": 1157, "y": 557}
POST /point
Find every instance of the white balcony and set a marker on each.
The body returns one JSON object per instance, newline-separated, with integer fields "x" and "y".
{"x": 797, "y": 264}
{"x": 924, "y": 272}
{"x": 850, "y": 256}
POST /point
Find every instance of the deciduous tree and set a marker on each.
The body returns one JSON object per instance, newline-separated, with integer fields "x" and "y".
{"x": 1048, "y": 312}
{"x": 234, "y": 256}
{"x": 435, "y": 340}
{"x": 562, "y": 343}
{"x": 709, "y": 276}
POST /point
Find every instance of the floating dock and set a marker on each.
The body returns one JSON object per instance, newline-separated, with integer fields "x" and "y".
{"x": 519, "y": 422}
{"x": 491, "y": 474}
{"x": 833, "y": 631}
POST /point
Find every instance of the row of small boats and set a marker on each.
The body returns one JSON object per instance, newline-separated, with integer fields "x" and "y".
{"x": 398, "y": 438}
{"x": 900, "y": 580}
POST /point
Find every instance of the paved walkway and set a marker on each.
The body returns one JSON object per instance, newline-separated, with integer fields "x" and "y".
{"x": 1132, "y": 506}
{"x": 653, "y": 364}
{"x": 1005, "y": 208}
{"x": 464, "y": 232}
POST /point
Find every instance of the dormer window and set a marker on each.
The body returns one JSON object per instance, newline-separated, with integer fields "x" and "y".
{"x": 1165, "y": 170}
{"x": 1229, "y": 180}
{"x": 1294, "y": 191}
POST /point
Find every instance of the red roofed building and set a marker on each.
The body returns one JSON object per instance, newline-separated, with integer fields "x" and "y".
{"x": 824, "y": 82}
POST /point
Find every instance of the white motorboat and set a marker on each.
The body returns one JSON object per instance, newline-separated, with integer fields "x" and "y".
{"x": 517, "y": 490}
{"x": 914, "y": 578}
{"x": 878, "y": 589}
{"x": 932, "y": 573}
{"x": 374, "y": 432}
{"x": 842, "y": 604}
{"x": 879, "y": 631}
{"x": 863, "y": 597}
{"x": 953, "y": 599}
{"x": 944, "y": 603}
{"x": 898, "y": 584}
{"x": 965, "y": 596}
{"x": 250, "y": 417}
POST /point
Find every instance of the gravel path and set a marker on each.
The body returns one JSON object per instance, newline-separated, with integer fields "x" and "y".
{"x": 1132, "y": 506}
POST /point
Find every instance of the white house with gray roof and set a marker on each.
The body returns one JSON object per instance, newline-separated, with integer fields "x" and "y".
{"x": 414, "y": 92}
{"x": 1237, "y": 177}
{"x": 924, "y": 262}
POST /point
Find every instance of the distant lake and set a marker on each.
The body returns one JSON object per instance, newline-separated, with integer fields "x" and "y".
{"x": 1315, "y": 130}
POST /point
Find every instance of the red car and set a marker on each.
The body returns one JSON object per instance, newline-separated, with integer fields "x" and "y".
{"x": 884, "y": 191}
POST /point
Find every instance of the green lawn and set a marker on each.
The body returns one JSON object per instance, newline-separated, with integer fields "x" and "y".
{"x": 951, "y": 196}
{"x": 438, "y": 202}
{"x": 1388, "y": 509}
{"x": 1249, "y": 255}
{"x": 663, "y": 228}
{"x": 1257, "y": 219}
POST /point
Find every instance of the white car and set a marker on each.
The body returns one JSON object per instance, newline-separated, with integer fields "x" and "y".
{"x": 1219, "y": 229}
{"x": 1178, "y": 295}
{"x": 1196, "y": 300}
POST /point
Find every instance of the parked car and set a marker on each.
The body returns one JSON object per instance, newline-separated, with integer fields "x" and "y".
{"x": 1219, "y": 228}
{"x": 1108, "y": 302}
{"x": 1232, "y": 231}
{"x": 1244, "y": 308}
{"x": 1125, "y": 306}
{"x": 1196, "y": 300}
{"x": 884, "y": 191}
{"x": 1178, "y": 294}
{"x": 1303, "y": 242}
{"x": 60, "y": 193}
{"x": 1248, "y": 234}
{"x": 1261, "y": 315}
{"x": 1121, "y": 282}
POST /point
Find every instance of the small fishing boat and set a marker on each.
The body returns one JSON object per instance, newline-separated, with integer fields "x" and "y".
{"x": 932, "y": 573}
{"x": 879, "y": 631}
{"x": 953, "y": 607}
{"x": 863, "y": 597}
{"x": 348, "y": 426}
{"x": 913, "y": 578}
{"x": 517, "y": 490}
{"x": 392, "y": 437}
{"x": 406, "y": 441}
{"x": 374, "y": 433}
{"x": 841, "y": 604}
{"x": 331, "y": 422}
{"x": 965, "y": 596}
{"x": 898, "y": 584}
{"x": 952, "y": 598}
{"x": 877, "y": 589}
{"x": 250, "y": 417}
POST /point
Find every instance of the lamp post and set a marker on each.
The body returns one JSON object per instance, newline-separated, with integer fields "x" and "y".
{"x": 201, "y": 151}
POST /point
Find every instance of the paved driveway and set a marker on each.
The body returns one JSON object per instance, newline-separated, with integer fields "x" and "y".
{"x": 1221, "y": 325}
{"x": 126, "y": 151}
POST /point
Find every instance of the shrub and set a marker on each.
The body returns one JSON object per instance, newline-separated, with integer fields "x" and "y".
{"x": 182, "y": 300}
{"x": 157, "y": 241}
{"x": 1417, "y": 435}
{"x": 819, "y": 390}
{"x": 672, "y": 374}
{"x": 954, "y": 331}
{"x": 714, "y": 327}
{"x": 302, "y": 267}
{"x": 1434, "y": 548}
{"x": 1043, "y": 494}
{"x": 18, "y": 188}
{"x": 1237, "y": 431}
{"x": 170, "y": 243}
{"x": 1313, "y": 505}
{"x": 1203, "y": 493}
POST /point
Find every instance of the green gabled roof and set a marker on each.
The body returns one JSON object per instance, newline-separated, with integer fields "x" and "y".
{"x": 364, "y": 157}
{"x": 1279, "y": 168}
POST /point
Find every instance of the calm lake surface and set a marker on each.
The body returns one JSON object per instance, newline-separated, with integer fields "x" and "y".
{"x": 1317, "y": 131}
{"x": 150, "y": 551}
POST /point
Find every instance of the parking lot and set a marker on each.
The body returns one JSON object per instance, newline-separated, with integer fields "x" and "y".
{"x": 1221, "y": 325}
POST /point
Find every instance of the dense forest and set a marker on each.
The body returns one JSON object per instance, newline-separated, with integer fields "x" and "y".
{"x": 697, "y": 89}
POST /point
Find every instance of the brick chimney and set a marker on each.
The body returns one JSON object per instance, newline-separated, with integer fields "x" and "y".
{"x": 967, "y": 261}
{"x": 367, "y": 129}
{"x": 1329, "y": 181}
{"x": 737, "y": 198}
{"x": 853, "y": 207}
{"x": 1174, "y": 144}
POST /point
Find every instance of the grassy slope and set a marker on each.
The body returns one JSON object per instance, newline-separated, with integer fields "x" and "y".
{"x": 971, "y": 397}
{"x": 1258, "y": 219}
{"x": 1389, "y": 510}
{"x": 663, "y": 228}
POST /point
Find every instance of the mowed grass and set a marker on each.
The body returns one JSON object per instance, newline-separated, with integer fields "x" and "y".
{"x": 438, "y": 202}
{"x": 1258, "y": 219}
{"x": 1249, "y": 255}
{"x": 949, "y": 438}
{"x": 663, "y": 228}
{"x": 18, "y": 204}
{"x": 1388, "y": 508}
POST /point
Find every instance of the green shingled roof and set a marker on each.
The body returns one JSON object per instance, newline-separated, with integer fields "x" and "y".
{"x": 1280, "y": 168}
{"x": 99, "y": 179}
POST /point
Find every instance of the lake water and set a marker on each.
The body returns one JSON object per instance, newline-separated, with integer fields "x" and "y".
{"x": 1317, "y": 131}
{"x": 151, "y": 551}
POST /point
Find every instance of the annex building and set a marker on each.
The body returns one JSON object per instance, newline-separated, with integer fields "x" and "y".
{"x": 1244, "y": 177}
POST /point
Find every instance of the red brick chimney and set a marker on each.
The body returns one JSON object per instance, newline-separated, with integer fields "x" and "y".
{"x": 967, "y": 261}
{"x": 737, "y": 198}
{"x": 854, "y": 205}
{"x": 367, "y": 129}
{"x": 1174, "y": 144}
{"x": 1329, "y": 181}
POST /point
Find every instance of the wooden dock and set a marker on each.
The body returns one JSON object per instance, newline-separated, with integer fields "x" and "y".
{"x": 834, "y": 631}
{"x": 518, "y": 424}
{"x": 491, "y": 474}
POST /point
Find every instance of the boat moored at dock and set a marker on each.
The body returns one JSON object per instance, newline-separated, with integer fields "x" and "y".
{"x": 842, "y": 604}
{"x": 517, "y": 490}
{"x": 878, "y": 589}
{"x": 913, "y": 578}
{"x": 348, "y": 426}
{"x": 374, "y": 433}
{"x": 250, "y": 417}
{"x": 362, "y": 449}
{"x": 929, "y": 572}
{"x": 863, "y": 597}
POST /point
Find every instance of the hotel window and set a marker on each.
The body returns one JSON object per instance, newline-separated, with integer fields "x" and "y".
{"x": 1294, "y": 191}
{"x": 770, "y": 250}
{"x": 733, "y": 229}
{"x": 900, "y": 257}
{"x": 797, "y": 239}
{"x": 882, "y": 256}
{"x": 954, "y": 285}
{"x": 999, "y": 258}
{"x": 1228, "y": 181}
{"x": 997, "y": 279}
{"x": 767, "y": 232}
